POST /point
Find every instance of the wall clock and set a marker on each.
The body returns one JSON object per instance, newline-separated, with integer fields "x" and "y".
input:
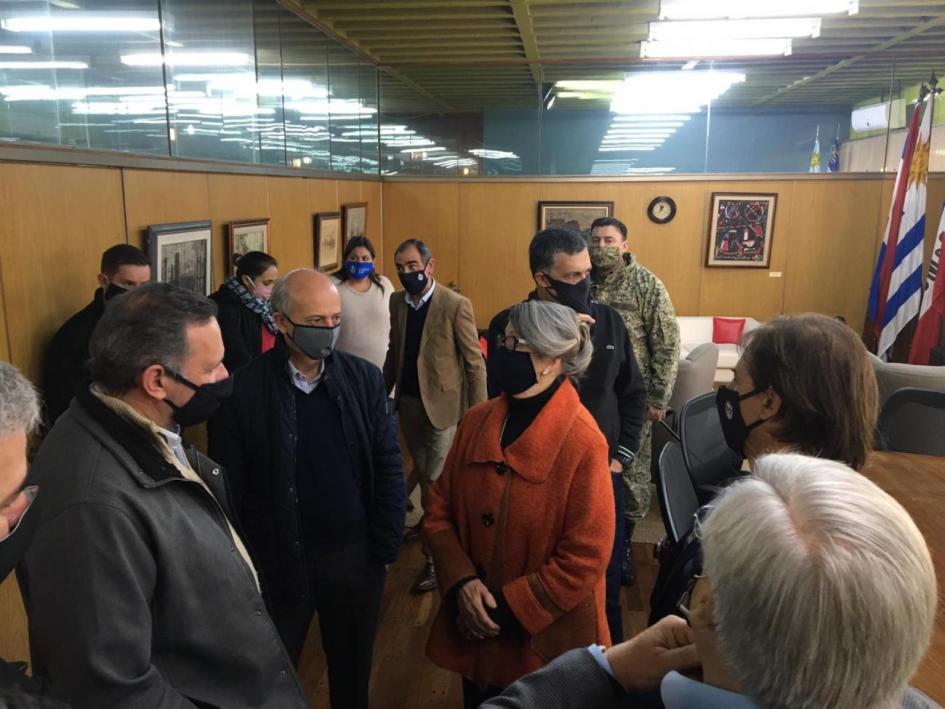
{"x": 661, "y": 210}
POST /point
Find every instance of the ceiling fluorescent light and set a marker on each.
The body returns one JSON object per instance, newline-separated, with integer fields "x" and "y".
{"x": 15, "y": 49}
{"x": 187, "y": 59}
{"x": 423, "y": 150}
{"x": 631, "y": 118}
{"x": 779, "y": 28}
{"x": 43, "y": 65}
{"x": 712, "y": 47}
{"x": 690, "y": 64}
{"x": 736, "y": 9}
{"x": 80, "y": 22}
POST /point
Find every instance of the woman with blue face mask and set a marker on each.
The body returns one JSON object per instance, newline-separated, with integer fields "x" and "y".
{"x": 365, "y": 294}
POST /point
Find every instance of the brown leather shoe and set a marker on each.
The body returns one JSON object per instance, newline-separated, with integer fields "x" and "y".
{"x": 426, "y": 581}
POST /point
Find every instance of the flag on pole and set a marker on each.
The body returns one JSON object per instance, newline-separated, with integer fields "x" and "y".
{"x": 834, "y": 164}
{"x": 897, "y": 281}
{"x": 815, "y": 156}
{"x": 932, "y": 311}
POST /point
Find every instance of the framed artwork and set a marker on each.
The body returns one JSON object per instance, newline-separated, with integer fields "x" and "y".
{"x": 576, "y": 216}
{"x": 180, "y": 254}
{"x": 354, "y": 219}
{"x": 246, "y": 236}
{"x": 741, "y": 227}
{"x": 327, "y": 241}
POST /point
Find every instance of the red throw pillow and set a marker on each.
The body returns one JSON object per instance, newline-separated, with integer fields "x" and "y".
{"x": 727, "y": 330}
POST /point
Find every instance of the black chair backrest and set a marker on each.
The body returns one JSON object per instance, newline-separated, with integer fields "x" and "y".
{"x": 913, "y": 421}
{"x": 677, "y": 497}
{"x": 708, "y": 458}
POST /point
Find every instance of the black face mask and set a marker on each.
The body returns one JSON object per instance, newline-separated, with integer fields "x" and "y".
{"x": 314, "y": 341}
{"x": 513, "y": 371}
{"x": 576, "y": 296}
{"x": 113, "y": 291}
{"x": 414, "y": 283}
{"x": 728, "y": 402}
{"x": 205, "y": 401}
{"x": 14, "y": 545}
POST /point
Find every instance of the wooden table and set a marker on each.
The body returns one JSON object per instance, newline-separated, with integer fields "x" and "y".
{"x": 918, "y": 484}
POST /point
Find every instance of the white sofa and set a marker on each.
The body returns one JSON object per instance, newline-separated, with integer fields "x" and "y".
{"x": 694, "y": 331}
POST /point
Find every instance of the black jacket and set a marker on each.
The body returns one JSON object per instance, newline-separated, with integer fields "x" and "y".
{"x": 66, "y": 364}
{"x": 241, "y": 328}
{"x": 254, "y": 435}
{"x": 135, "y": 592}
{"x": 612, "y": 389}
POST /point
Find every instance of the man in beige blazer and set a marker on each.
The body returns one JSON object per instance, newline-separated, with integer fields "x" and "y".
{"x": 435, "y": 367}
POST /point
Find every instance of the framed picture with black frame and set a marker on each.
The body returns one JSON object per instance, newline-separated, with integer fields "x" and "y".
{"x": 327, "y": 241}
{"x": 576, "y": 216}
{"x": 245, "y": 236}
{"x": 182, "y": 254}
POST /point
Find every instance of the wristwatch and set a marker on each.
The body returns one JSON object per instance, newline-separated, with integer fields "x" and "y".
{"x": 625, "y": 460}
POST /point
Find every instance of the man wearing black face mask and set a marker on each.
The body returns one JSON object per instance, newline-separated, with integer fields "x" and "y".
{"x": 318, "y": 478}
{"x": 612, "y": 388}
{"x": 19, "y": 417}
{"x": 434, "y": 367}
{"x": 65, "y": 369}
{"x": 138, "y": 586}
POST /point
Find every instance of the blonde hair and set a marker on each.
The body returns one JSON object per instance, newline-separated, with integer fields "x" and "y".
{"x": 824, "y": 587}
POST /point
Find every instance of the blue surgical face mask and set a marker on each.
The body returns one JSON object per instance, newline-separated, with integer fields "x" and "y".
{"x": 359, "y": 270}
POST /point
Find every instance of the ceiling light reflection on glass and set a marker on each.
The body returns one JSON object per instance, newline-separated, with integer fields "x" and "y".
{"x": 735, "y": 9}
{"x": 661, "y": 92}
{"x": 28, "y": 65}
{"x": 187, "y": 59}
{"x": 15, "y": 49}
{"x": 780, "y": 28}
{"x": 81, "y": 22}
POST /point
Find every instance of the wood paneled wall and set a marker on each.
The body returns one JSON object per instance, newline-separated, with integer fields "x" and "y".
{"x": 826, "y": 235}
{"x": 57, "y": 220}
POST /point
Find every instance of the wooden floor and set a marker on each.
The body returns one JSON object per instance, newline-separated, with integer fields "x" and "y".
{"x": 403, "y": 678}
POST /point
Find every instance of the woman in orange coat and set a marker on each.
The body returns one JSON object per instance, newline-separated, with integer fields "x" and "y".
{"x": 521, "y": 521}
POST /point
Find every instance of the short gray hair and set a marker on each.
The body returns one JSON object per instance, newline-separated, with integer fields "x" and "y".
{"x": 420, "y": 246}
{"x": 552, "y": 330}
{"x": 824, "y": 587}
{"x": 19, "y": 402}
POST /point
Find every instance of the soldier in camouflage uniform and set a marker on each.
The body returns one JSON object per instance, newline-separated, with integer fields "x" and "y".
{"x": 644, "y": 304}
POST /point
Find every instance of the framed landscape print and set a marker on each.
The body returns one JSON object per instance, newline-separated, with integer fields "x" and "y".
{"x": 354, "y": 219}
{"x": 576, "y": 216}
{"x": 741, "y": 227}
{"x": 246, "y": 236}
{"x": 180, "y": 254}
{"x": 327, "y": 241}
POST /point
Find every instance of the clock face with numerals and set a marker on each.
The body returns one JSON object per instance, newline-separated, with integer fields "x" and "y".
{"x": 661, "y": 210}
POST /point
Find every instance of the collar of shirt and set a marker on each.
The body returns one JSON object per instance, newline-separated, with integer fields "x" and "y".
{"x": 175, "y": 443}
{"x": 301, "y": 382}
{"x": 680, "y": 692}
{"x": 423, "y": 299}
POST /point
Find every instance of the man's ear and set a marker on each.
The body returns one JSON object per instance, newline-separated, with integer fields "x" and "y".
{"x": 102, "y": 280}
{"x": 153, "y": 381}
{"x": 280, "y": 321}
{"x": 542, "y": 280}
{"x": 431, "y": 264}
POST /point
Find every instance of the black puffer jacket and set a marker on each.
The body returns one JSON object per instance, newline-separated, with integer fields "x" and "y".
{"x": 254, "y": 435}
{"x": 137, "y": 595}
{"x": 241, "y": 329}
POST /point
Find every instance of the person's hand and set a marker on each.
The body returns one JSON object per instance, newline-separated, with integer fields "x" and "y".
{"x": 585, "y": 318}
{"x": 616, "y": 466}
{"x": 641, "y": 663}
{"x": 473, "y": 600}
{"x": 11, "y": 513}
{"x": 655, "y": 415}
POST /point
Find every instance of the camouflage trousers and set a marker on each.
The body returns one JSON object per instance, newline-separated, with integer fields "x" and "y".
{"x": 636, "y": 480}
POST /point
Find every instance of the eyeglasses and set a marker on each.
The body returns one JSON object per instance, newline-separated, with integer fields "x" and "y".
{"x": 510, "y": 342}
{"x": 685, "y": 601}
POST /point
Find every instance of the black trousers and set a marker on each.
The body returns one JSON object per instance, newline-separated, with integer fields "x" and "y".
{"x": 614, "y": 618}
{"x": 473, "y": 696}
{"x": 345, "y": 590}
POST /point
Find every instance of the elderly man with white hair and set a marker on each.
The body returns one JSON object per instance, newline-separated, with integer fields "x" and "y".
{"x": 818, "y": 591}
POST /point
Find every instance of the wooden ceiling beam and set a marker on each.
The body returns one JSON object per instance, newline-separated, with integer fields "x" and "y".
{"x": 306, "y": 12}
{"x": 526, "y": 33}
{"x": 936, "y": 22}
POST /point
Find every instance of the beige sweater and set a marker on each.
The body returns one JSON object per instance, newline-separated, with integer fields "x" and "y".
{"x": 365, "y": 321}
